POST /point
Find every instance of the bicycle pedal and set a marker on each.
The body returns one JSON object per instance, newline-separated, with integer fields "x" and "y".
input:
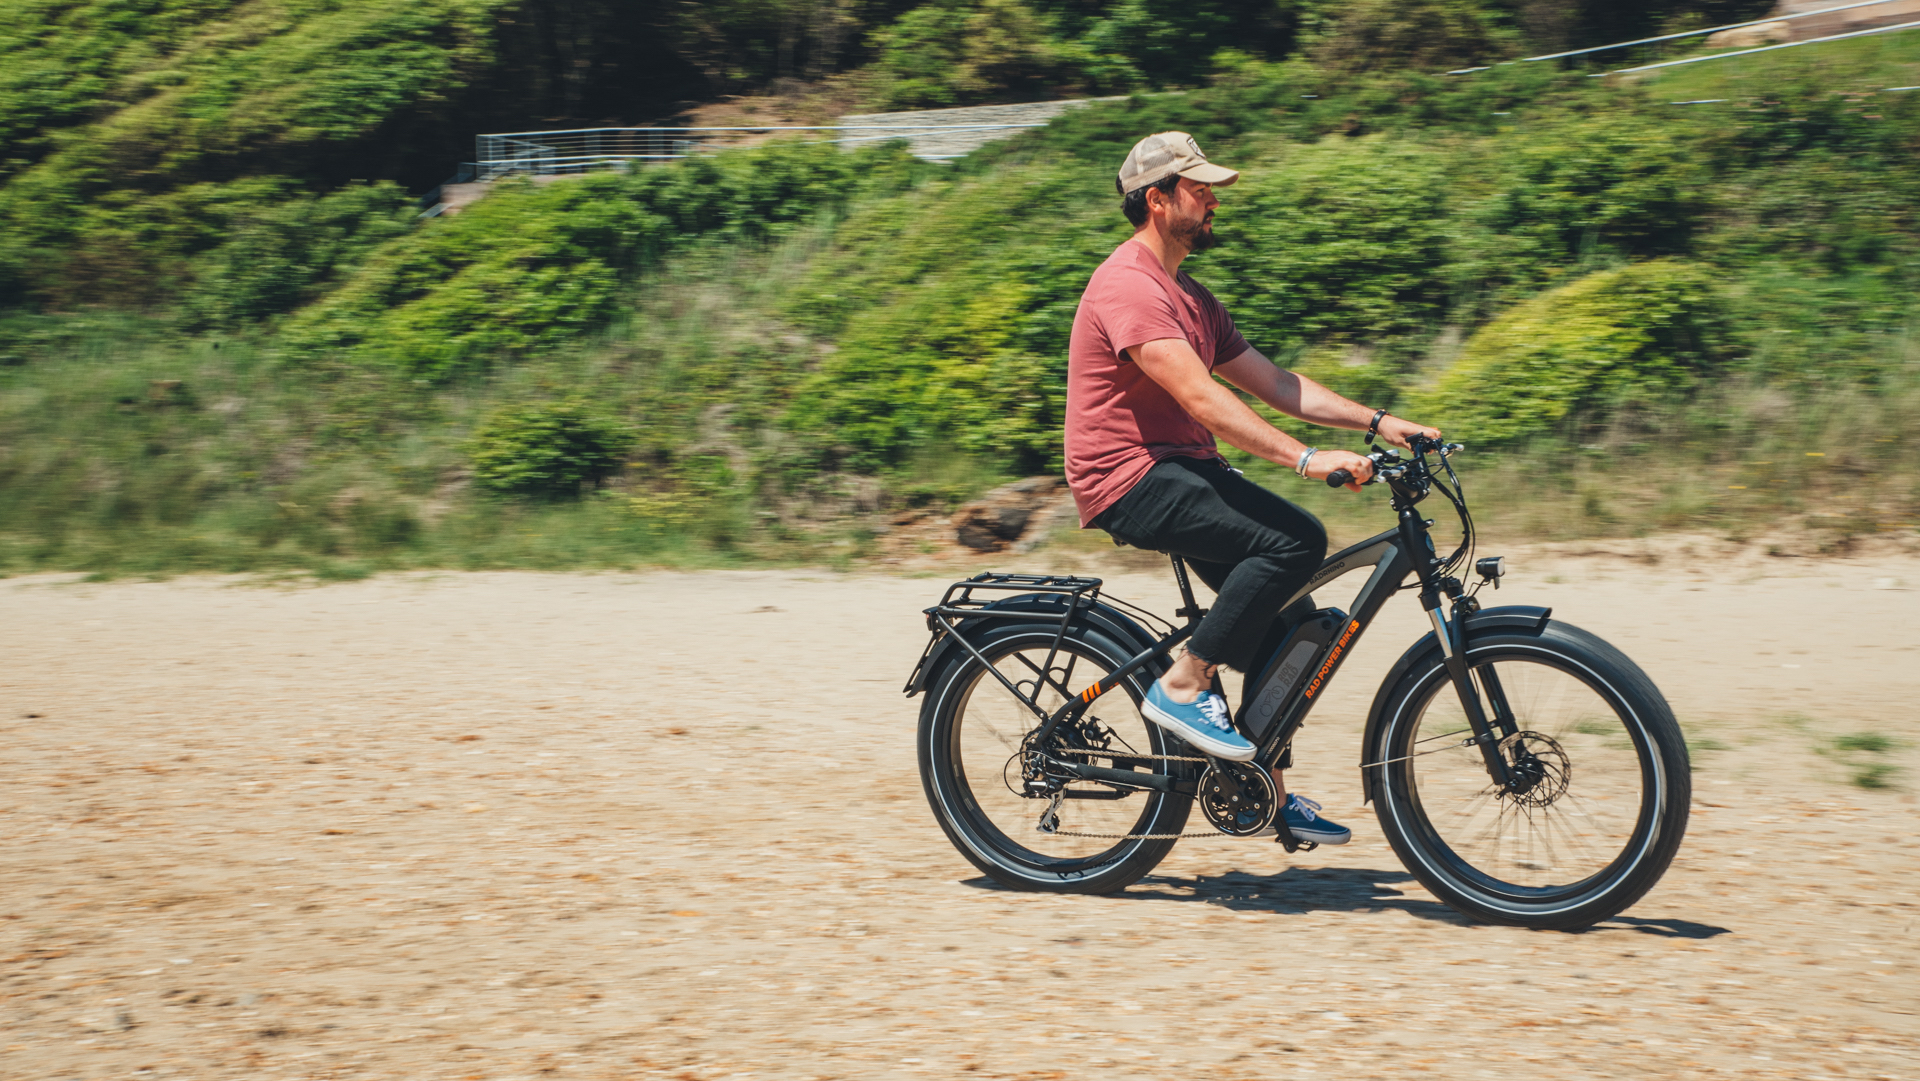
{"x": 1286, "y": 839}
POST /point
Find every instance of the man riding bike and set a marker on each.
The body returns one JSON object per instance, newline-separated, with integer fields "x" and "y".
{"x": 1143, "y": 411}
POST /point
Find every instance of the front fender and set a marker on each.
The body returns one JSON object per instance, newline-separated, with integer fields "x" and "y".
{"x": 1511, "y": 617}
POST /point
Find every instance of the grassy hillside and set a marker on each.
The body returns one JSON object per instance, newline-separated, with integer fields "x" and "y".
{"x": 149, "y": 144}
{"x": 147, "y": 147}
{"x": 1642, "y": 315}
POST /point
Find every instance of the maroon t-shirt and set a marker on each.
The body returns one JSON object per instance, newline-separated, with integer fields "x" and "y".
{"x": 1119, "y": 421}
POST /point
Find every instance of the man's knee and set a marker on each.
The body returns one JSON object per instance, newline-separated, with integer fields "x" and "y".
{"x": 1299, "y": 547}
{"x": 1315, "y": 540}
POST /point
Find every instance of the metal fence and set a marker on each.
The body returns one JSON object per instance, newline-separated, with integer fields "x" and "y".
{"x": 544, "y": 153}
{"x": 1650, "y": 50}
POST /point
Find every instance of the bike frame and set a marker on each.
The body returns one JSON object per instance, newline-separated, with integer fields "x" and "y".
{"x": 1405, "y": 550}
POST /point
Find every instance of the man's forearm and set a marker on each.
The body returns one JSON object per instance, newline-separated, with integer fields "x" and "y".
{"x": 1321, "y": 406}
{"x": 1231, "y": 420}
{"x": 1293, "y": 394}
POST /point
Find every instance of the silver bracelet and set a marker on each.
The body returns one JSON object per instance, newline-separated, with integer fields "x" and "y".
{"x": 1305, "y": 457}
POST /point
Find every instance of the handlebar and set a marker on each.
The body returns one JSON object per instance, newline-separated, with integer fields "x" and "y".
{"x": 1340, "y": 478}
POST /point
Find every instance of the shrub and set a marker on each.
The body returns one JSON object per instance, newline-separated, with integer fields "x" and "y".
{"x": 946, "y": 341}
{"x": 281, "y": 248}
{"x": 1343, "y": 239}
{"x": 534, "y": 265}
{"x": 954, "y": 51}
{"x": 1424, "y": 35}
{"x": 1609, "y": 339}
{"x": 1618, "y": 185}
{"x": 548, "y": 451}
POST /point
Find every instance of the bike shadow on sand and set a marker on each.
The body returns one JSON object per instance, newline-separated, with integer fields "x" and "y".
{"x": 1297, "y": 891}
{"x": 1294, "y": 891}
{"x": 1300, "y": 890}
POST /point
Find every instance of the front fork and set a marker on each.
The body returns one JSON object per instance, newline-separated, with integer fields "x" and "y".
{"x": 1488, "y": 732}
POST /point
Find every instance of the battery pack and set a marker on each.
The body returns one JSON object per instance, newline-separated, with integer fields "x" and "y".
{"x": 1296, "y": 660}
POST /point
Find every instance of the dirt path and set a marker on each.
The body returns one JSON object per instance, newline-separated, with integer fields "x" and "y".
{"x": 508, "y": 826}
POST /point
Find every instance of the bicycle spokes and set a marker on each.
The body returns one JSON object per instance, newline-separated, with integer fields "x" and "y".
{"x": 1574, "y": 786}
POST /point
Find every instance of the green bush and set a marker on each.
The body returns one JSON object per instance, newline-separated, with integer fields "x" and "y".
{"x": 956, "y": 52}
{"x": 1577, "y": 188}
{"x": 534, "y": 265}
{"x": 280, "y": 251}
{"x": 174, "y": 94}
{"x": 943, "y": 340}
{"x": 1178, "y": 42}
{"x": 548, "y": 451}
{"x": 951, "y": 52}
{"x": 1344, "y": 239}
{"x": 1613, "y": 338}
{"x": 1424, "y": 35}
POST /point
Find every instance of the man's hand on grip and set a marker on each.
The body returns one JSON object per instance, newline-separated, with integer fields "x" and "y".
{"x": 1324, "y": 463}
{"x": 1401, "y": 432}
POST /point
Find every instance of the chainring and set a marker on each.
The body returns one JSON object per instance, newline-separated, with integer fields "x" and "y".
{"x": 1238, "y": 798}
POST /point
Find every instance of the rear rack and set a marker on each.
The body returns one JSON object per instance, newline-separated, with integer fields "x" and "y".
{"x": 959, "y": 595}
{"x": 959, "y": 603}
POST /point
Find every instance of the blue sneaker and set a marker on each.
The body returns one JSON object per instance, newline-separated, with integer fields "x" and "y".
{"x": 1304, "y": 822}
{"x": 1202, "y": 722}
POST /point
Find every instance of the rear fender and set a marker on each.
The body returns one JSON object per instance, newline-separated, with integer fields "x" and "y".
{"x": 1524, "y": 618}
{"x": 1042, "y": 609}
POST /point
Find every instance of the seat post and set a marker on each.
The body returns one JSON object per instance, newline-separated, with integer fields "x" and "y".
{"x": 1192, "y": 611}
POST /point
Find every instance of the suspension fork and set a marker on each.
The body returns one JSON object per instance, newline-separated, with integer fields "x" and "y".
{"x": 1451, "y": 634}
{"x": 1452, "y": 637}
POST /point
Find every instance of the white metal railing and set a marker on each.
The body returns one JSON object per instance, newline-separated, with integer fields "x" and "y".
{"x": 1711, "y": 30}
{"x": 580, "y": 149}
{"x": 1762, "y": 49}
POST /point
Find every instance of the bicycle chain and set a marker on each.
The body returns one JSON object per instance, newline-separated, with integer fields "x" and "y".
{"x": 1054, "y": 807}
{"x": 1469, "y": 742}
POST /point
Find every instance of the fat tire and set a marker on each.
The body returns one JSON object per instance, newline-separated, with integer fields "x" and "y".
{"x": 948, "y": 792}
{"x": 1661, "y": 749}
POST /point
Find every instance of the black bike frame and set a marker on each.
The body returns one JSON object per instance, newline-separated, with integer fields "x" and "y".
{"x": 1392, "y": 555}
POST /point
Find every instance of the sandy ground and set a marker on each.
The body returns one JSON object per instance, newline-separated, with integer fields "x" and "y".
{"x": 518, "y": 825}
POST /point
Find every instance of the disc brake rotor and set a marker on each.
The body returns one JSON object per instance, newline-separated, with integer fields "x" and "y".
{"x": 1538, "y": 767}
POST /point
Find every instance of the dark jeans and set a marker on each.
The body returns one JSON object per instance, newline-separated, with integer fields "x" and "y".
{"x": 1252, "y": 547}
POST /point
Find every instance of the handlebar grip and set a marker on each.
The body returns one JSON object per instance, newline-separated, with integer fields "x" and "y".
{"x": 1339, "y": 478}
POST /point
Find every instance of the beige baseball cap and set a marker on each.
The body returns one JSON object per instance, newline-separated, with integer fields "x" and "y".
{"x": 1157, "y": 157}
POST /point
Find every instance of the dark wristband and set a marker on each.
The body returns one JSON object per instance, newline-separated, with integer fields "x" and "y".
{"x": 1373, "y": 426}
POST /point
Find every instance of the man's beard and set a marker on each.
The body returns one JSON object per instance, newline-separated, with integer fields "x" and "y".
{"x": 1196, "y": 236}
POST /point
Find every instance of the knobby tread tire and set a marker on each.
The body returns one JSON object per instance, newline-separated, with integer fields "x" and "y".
{"x": 947, "y": 791}
{"x": 1660, "y": 825}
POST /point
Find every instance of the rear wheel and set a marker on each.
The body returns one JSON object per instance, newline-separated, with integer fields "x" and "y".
{"x": 974, "y": 739}
{"x": 1601, "y": 792}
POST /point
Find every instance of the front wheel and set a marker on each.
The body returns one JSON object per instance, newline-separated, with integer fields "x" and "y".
{"x": 1600, "y": 787}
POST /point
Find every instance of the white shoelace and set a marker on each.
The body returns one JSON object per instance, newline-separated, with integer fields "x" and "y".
{"x": 1306, "y": 807}
{"x": 1214, "y": 709}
